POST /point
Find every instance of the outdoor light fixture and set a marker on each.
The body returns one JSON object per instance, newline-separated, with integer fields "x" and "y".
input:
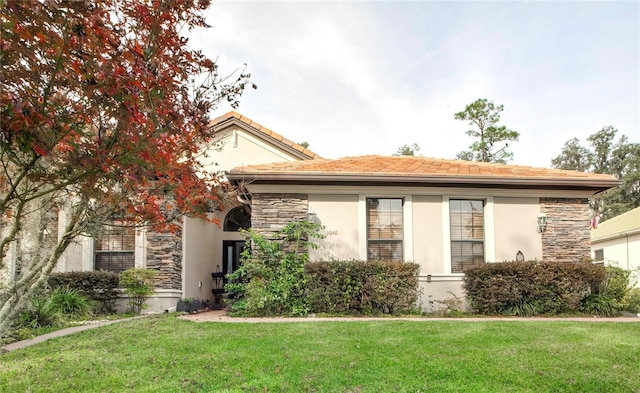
{"x": 311, "y": 215}
{"x": 542, "y": 223}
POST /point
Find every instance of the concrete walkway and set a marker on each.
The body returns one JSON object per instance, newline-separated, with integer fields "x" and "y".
{"x": 221, "y": 316}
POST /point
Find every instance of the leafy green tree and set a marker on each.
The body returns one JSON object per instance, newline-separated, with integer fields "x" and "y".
{"x": 574, "y": 157}
{"x": 407, "y": 150}
{"x": 489, "y": 136}
{"x": 620, "y": 158}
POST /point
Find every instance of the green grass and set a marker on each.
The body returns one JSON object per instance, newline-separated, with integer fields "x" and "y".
{"x": 166, "y": 354}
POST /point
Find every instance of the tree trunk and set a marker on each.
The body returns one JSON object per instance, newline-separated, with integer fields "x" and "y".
{"x": 40, "y": 256}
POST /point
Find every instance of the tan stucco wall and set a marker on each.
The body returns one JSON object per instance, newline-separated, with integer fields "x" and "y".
{"x": 516, "y": 228}
{"x": 238, "y": 147}
{"x": 202, "y": 254}
{"x": 439, "y": 290}
{"x": 427, "y": 234}
{"x": 71, "y": 259}
{"x": 201, "y": 241}
{"x": 339, "y": 215}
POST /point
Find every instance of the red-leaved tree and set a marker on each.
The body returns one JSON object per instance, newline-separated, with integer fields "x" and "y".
{"x": 105, "y": 110}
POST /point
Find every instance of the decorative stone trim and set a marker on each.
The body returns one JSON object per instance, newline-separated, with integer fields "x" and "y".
{"x": 272, "y": 212}
{"x": 567, "y": 237}
{"x": 164, "y": 254}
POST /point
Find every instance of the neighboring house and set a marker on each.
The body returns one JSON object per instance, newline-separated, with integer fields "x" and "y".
{"x": 445, "y": 215}
{"x": 616, "y": 241}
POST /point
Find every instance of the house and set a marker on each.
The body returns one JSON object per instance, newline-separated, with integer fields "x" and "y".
{"x": 616, "y": 241}
{"x": 185, "y": 260}
{"x": 445, "y": 215}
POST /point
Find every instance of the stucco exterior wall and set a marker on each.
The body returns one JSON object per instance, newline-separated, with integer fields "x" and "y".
{"x": 339, "y": 215}
{"x": 516, "y": 228}
{"x": 621, "y": 251}
{"x": 237, "y": 147}
{"x": 435, "y": 291}
{"x": 427, "y": 234}
{"x": 566, "y": 238}
{"x": 201, "y": 240}
{"x": 203, "y": 254}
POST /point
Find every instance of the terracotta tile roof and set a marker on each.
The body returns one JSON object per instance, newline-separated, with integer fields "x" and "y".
{"x": 419, "y": 169}
{"x": 264, "y": 131}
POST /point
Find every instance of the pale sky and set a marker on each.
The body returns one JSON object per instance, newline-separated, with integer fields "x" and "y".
{"x": 356, "y": 78}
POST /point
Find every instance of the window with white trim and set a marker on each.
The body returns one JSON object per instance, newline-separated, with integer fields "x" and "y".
{"x": 466, "y": 219}
{"x": 385, "y": 229}
{"x": 115, "y": 247}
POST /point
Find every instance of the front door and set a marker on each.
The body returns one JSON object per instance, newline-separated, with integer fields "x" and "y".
{"x": 231, "y": 256}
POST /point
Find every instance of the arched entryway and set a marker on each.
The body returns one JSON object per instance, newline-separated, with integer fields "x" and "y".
{"x": 238, "y": 218}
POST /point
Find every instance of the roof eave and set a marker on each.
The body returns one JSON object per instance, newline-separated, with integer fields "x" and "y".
{"x": 479, "y": 181}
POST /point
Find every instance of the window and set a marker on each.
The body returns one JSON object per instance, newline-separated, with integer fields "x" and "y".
{"x": 598, "y": 255}
{"x": 115, "y": 247}
{"x": 467, "y": 233}
{"x": 238, "y": 218}
{"x": 384, "y": 229}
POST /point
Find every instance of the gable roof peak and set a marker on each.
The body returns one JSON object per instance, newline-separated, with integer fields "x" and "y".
{"x": 233, "y": 117}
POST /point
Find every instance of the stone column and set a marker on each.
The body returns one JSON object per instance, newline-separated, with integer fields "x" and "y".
{"x": 164, "y": 254}
{"x": 567, "y": 237}
{"x": 272, "y": 212}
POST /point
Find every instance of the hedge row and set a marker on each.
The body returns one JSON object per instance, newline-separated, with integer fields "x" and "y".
{"x": 99, "y": 286}
{"x": 358, "y": 287}
{"x": 529, "y": 288}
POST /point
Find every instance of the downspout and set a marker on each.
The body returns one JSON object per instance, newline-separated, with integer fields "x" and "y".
{"x": 626, "y": 234}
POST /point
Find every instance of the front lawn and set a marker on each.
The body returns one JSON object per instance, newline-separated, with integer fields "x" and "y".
{"x": 166, "y": 354}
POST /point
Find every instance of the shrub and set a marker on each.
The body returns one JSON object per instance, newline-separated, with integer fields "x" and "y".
{"x": 530, "y": 288}
{"x": 70, "y": 303}
{"x": 633, "y": 301}
{"x": 597, "y": 304}
{"x": 616, "y": 285}
{"x": 138, "y": 285}
{"x": 99, "y": 286}
{"x": 53, "y": 308}
{"x": 271, "y": 279}
{"x": 526, "y": 308}
{"x": 40, "y": 313}
{"x": 359, "y": 287}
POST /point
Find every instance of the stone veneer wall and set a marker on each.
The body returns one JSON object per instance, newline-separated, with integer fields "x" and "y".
{"x": 567, "y": 237}
{"x": 272, "y": 212}
{"x": 164, "y": 254}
